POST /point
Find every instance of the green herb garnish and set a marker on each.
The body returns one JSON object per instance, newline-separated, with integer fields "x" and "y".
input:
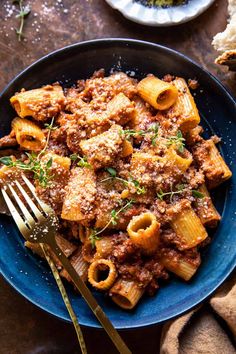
{"x": 113, "y": 173}
{"x": 50, "y": 126}
{"x": 83, "y": 162}
{"x": 41, "y": 170}
{"x": 132, "y": 133}
{"x": 153, "y": 129}
{"x": 177, "y": 140}
{"x": 93, "y": 237}
{"x": 23, "y": 12}
{"x": 197, "y": 194}
{"x": 161, "y": 194}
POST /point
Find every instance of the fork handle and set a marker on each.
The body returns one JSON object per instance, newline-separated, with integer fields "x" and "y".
{"x": 92, "y": 303}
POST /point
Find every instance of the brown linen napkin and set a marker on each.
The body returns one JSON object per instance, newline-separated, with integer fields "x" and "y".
{"x": 207, "y": 329}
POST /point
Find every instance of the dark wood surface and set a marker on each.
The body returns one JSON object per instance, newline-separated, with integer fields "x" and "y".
{"x": 52, "y": 24}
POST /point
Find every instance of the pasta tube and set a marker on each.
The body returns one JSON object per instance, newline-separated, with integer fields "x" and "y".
{"x": 59, "y": 163}
{"x": 205, "y": 209}
{"x": 88, "y": 251}
{"x": 41, "y": 104}
{"x": 101, "y": 150}
{"x": 175, "y": 159}
{"x": 188, "y": 227}
{"x": 185, "y": 107}
{"x": 141, "y": 117}
{"x": 159, "y": 94}
{"x": 79, "y": 196}
{"x": 127, "y": 148}
{"x": 80, "y": 265}
{"x": 126, "y": 293}
{"x": 143, "y": 230}
{"x": 214, "y": 166}
{"x": 120, "y": 109}
{"x": 104, "y": 247}
{"x": 95, "y": 274}
{"x": 28, "y": 135}
{"x": 82, "y": 232}
{"x": 179, "y": 264}
{"x": 66, "y": 246}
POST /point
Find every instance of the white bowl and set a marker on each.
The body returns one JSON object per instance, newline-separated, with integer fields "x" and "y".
{"x": 157, "y": 16}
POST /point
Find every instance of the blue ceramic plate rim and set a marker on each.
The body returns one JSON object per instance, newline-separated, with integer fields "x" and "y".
{"x": 170, "y": 51}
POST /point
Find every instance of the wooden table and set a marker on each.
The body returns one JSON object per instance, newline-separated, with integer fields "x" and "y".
{"x": 52, "y": 24}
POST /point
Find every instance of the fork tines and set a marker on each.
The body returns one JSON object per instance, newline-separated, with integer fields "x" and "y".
{"x": 18, "y": 199}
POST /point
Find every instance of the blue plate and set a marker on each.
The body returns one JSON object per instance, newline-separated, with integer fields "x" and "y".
{"x": 31, "y": 276}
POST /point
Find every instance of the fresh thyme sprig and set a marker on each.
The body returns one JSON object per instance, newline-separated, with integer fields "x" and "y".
{"x": 113, "y": 173}
{"x": 180, "y": 188}
{"x": 40, "y": 169}
{"x": 50, "y": 126}
{"x": 177, "y": 140}
{"x": 161, "y": 194}
{"x": 139, "y": 189}
{"x": 132, "y": 133}
{"x": 83, "y": 162}
{"x": 197, "y": 194}
{"x": 23, "y": 12}
{"x": 94, "y": 235}
{"x": 153, "y": 129}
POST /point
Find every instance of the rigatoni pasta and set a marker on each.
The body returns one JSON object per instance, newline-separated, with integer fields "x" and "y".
{"x": 28, "y": 134}
{"x": 185, "y": 107}
{"x": 41, "y": 104}
{"x": 212, "y": 163}
{"x": 126, "y": 294}
{"x": 143, "y": 230}
{"x": 180, "y": 264}
{"x": 126, "y": 170}
{"x": 205, "y": 208}
{"x": 95, "y": 277}
{"x": 158, "y": 93}
{"x": 188, "y": 227}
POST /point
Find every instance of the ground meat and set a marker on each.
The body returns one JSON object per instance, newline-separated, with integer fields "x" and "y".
{"x": 8, "y": 141}
{"x": 192, "y": 255}
{"x": 124, "y": 251}
{"x": 193, "y": 84}
{"x": 80, "y": 85}
{"x": 132, "y": 265}
{"x": 193, "y": 177}
{"x": 159, "y": 208}
{"x": 57, "y": 143}
{"x": 169, "y": 238}
{"x": 98, "y": 74}
{"x": 104, "y": 89}
{"x": 193, "y": 136}
{"x": 74, "y": 135}
{"x": 168, "y": 78}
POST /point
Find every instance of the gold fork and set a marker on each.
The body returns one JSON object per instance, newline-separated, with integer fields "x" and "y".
{"x": 39, "y": 225}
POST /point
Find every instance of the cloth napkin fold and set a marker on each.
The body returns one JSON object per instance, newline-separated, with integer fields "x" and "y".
{"x": 209, "y": 329}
